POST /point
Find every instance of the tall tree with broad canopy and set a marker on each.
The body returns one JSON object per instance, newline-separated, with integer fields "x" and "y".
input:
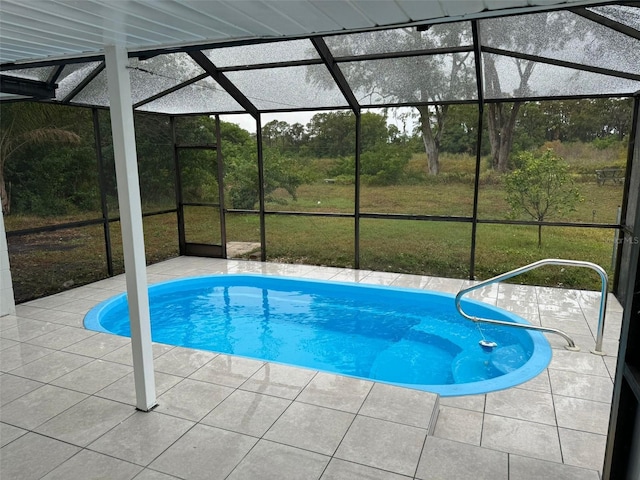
{"x": 559, "y": 35}
{"x": 425, "y": 80}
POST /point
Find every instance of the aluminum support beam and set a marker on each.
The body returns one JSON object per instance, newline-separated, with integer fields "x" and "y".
{"x": 7, "y": 303}
{"x": 124, "y": 147}
{"x": 208, "y": 66}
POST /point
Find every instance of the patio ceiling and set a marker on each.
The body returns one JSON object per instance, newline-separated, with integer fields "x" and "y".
{"x": 192, "y": 56}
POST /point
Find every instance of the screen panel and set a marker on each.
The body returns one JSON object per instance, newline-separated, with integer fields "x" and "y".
{"x": 419, "y": 79}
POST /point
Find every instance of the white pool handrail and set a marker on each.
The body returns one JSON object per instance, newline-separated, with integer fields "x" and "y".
{"x": 548, "y": 261}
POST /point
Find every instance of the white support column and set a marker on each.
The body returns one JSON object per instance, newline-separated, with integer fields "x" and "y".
{"x": 7, "y": 302}
{"x": 124, "y": 147}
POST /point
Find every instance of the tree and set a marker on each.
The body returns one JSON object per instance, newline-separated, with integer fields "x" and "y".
{"x": 154, "y": 152}
{"x": 241, "y": 168}
{"x": 412, "y": 80}
{"x": 296, "y": 136}
{"x": 375, "y": 131}
{"x": 274, "y": 134}
{"x": 242, "y": 176}
{"x": 23, "y": 124}
{"x": 541, "y": 187}
{"x": 332, "y": 134}
{"x": 544, "y": 34}
{"x": 461, "y": 134}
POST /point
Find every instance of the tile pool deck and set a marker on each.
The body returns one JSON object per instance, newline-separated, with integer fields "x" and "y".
{"x": 66, "y": 400}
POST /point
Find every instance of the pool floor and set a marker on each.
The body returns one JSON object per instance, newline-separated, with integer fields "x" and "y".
{"x": 69, "y": 392}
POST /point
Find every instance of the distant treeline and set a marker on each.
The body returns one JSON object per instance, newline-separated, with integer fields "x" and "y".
{"x": 49, "y": 162}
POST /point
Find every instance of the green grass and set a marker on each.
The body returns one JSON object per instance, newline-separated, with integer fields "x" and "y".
{"x": 441, "y": 248}
{"x": 46, "y": 263}
{"x": 599, "y": 203}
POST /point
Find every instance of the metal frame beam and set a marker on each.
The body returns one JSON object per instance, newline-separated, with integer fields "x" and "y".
{"x": 607, "y": 22}
{"x": 336, "y": 73}
{"x": 27, "y": 87}
{"x": 208, "y": 66}
{"x": 175, "y": 88}
{"x": 220, "y": 171}
{"x": 623, "y": 436}
{"x": 84, "y": 83}
{"x": 562, "y": 63}
{"x": 55, "y": 74}
{"x": 477, "y": 53}
{"x": 261, "y": 199}
{"x": 97, "y": 139}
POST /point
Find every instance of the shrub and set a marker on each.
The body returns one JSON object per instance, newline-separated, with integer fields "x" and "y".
{"x": 542, "y": 187}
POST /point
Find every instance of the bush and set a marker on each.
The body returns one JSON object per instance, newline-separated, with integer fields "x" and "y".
{"x": 384, "y": 165}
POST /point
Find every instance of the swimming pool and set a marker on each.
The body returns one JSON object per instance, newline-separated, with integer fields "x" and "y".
{"x": 406, "y": 337}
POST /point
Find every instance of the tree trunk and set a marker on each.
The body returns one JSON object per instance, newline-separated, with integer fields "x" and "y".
{"x": 433, "y": 156}
{"x": 539, "y": 236}
{"x": 502, "y": 122}
{"x": 502, "y": 119}
{"x": 431, "y": 146}
{"x": 494, "y": 135}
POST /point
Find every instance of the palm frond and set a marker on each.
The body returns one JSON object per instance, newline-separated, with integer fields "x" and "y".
{"x": 47, "y": 134}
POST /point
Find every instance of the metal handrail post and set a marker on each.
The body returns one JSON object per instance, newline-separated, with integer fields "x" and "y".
{"x": 549, "y": 261}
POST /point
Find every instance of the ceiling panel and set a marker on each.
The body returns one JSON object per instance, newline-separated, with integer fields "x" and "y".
{"x": 12, "y": 48}
{"x": 417, "y": 9}
{"x": 231, "y": 14}
{"x": 194, "y": 16}
{"x": 76, "y": 20}
{"x": 382, "y": 13}
{"x": 36, "y": 30}
{"x": 495, "y": 4}
{"x": 42, "y": 29}
{"x": 57, "y": 41}
{"x": 345, "y": 14}
{"x": 308, "y": 15}
{"x": 62, "y": 20}
{"x": 465, "y": 7}
{"x": 276, "y": 20}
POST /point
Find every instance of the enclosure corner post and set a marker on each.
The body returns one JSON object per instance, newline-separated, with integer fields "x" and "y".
{"x": 7, "y": 300}
{"x": 476, "y": 180}
{"x": 261, "y": 200}
{"x": 124, "y": 147}
{"x": 97, "y": 140}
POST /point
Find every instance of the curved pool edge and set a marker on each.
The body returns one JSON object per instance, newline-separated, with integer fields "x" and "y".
{"x": 539, "y": 361}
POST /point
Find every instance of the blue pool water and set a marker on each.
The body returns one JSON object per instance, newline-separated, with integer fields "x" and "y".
{"x": 405, "y": 337}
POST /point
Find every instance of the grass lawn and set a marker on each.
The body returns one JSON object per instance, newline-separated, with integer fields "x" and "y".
{"x": 50, "y": 262}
